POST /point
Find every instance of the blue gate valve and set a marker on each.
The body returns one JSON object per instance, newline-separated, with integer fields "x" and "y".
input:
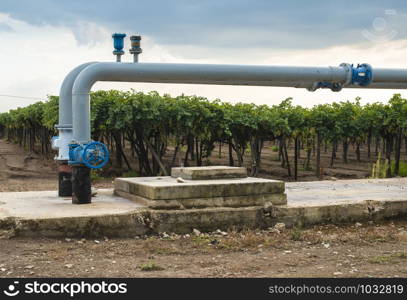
{"x": 362, "y": 75}
{"x": 94, "y": 155}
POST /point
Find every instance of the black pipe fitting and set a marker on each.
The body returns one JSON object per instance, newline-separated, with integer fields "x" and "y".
{"x": 64, "y": 180}
{"x": 81, "y": 185}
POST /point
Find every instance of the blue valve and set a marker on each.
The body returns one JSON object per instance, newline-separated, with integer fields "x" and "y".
{"x": 118, "y": 42}
{"x": 94, "y": 155}
{"x": 118, "y": 45}
{"x": 362, "y": 75}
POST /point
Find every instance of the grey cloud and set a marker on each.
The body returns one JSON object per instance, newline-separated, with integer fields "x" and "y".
{"x": 222, "y": 23}
{"x": 5, "y": 28}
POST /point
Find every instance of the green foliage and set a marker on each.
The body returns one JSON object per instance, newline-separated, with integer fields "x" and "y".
{"x": 131, "y": 174}
{"x": 379, "y": 168}
{"x": 147, "y": 123}
{"x": 96, "y": 175}
{"x": 296, "y": 234}
{"x": 151, "y": 266}
{"x": 403, "y": 168}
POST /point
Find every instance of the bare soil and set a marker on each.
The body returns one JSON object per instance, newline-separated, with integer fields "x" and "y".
{"x": 357, "y": 250}
{"x": 23, "y": 171}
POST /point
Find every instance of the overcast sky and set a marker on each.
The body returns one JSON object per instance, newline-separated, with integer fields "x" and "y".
{"x": 42, "y": 40}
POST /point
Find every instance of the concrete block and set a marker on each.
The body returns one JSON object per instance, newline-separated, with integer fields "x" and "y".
{"x": 209, "y": 172}
{"x": 167, "y": 188}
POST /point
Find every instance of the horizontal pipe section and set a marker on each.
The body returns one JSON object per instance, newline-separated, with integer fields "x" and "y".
{"x": 249, "y": 75}
{"x": 187, "y": 73}
{"x": 389, "y": 75}
{"x": 205, "y": 74}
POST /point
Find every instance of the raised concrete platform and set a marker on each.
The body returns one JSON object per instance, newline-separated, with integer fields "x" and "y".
{"x": 209, "y": 172}
{"x": 168, "y": 188}
{"x": 202, "y": 187}
{"x": 44, "y": 214}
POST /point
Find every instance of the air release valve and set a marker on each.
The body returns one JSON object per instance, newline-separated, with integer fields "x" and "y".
{"x": 135, "y": 46}
{"x": 118, "y": 44}
{"x": 93, "y": 155}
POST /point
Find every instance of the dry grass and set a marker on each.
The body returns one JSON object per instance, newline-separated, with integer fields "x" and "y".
{"x": 151, "y": 266}
{"x": 389, "y": 259}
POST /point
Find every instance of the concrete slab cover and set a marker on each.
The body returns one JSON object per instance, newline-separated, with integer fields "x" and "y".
{"x": 209, "y": 172}
{"x": 167, "y": 188}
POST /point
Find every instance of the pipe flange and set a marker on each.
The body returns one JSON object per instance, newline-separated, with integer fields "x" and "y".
{"x": 313, "y": 87}
{"x": 349, "y": 71}
{"x": 63, "y": 126}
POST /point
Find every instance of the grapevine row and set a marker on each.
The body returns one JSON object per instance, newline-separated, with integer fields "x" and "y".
{"x": 140, "y": 128}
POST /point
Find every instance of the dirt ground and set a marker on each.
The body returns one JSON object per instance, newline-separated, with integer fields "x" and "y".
{"x": 23, "y": 171}
{"x": 355, "y": 250}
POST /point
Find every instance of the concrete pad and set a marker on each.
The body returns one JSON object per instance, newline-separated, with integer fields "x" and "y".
{"x": 343, "y": 191}
{"x": 46, "y": 204}
{"x": 167, "y": 188}
{"x": 44, "y": 214}
{"x": 209, "y": 172}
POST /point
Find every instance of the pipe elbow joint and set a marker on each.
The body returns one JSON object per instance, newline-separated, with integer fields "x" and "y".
{"x": 84, "y": 81}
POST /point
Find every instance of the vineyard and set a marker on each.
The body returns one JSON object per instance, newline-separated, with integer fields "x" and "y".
{"x": 139, "y": 130}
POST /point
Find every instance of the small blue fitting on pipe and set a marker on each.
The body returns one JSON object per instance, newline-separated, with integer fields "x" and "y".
{"x": 74, "y": 158}
{"x": 94, "y": 155}
{"x": 333, "y": 86}
{"x": 362, "y": 75}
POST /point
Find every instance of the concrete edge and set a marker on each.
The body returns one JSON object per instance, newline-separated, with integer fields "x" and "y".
{"x": 205, "y": 173}
{"x": 147, "y": 221}
{"x": 233, "y": 201}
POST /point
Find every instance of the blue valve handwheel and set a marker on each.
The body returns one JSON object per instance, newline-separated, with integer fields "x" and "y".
{"x": 95, "y": 155}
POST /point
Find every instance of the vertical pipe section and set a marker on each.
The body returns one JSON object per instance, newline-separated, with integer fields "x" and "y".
{"x": 65, "y": 131}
